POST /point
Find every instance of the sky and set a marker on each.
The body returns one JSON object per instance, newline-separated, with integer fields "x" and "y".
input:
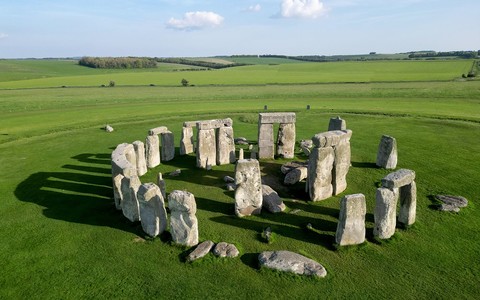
{"x": 187, "y": 28}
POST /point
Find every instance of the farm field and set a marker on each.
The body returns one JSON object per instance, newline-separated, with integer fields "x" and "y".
{"x": 61, "y": 237}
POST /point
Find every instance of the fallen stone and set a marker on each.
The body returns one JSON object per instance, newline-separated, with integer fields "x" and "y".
{"x": 241, "y": 141}
{"x": 228, "y": 179}
{"x": 183, "y": 222}
{"x": 351, "y": 222}
{"x": 223, "y": 249}
{"x": 451, "y": 203}
{"x": 398, "y": 178}
{"x": 200, "y": 251}
{"x": 231, "y": 186}
{"x": 108, "y": 128}
{"x": 296, "y": 175}
{"x": 287, "y": 261}
{"x": 267, "y": 235}
{"x": 175, "y": 173}
{"x": 248, "y": 195}
{"x": 387, "y": 153}
{"x": 153, "y": 215}
{"x": 271, "y": 201}
{"x": 289, "y": 166}
{"x": 306, "y": 144}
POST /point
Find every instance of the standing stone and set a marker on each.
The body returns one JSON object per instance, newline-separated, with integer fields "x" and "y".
{"x": 130, "y": 207}
{"x": 271, "y": 200}
{"x": 341, "y": 164}
{"x": 240, "y": 154}
{"x": 387, "y": 153}
{"x": 152, "y": 151}
{"x": 385, "y": 213}
{"x": 186, "y": 142}
{"x": 225, "y": 146}
{"x": 408, "y": 204}
{"x": 337, "y": 124}
{"x": 266, "y": 148}
{"x": 351, "y": 223}
{"x": 183, "y": 222}
{"x": 248, "y": 195}
{"x": 117, "y": 191}
{"x": 140, "y": 157}
{"x": 319, "y": 180}
{"x": 286, "y": 140}
{"x": 162, "y": 185}
{"x": 124, "y": 160}
{"x": 168, "y": 146}
{"x": 153, "y": 215}
{"x": 207, "y": 148}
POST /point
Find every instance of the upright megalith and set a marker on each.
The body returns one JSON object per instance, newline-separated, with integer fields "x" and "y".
{"x": 387, "y": 153}
{"x": 206, "y": 148}
{"x": 153, "y": 215}
{"x": 168, "y": 146}
{"x": 225, "y": 146}
{"x": 130, "y": 206}
{"x": 140, "y": 157}
{"x": 152, "y": 151}
{"x": 162, "y": 185}
{"x": 183, "y": 222}
{"x": 341, "y": 163}
{"x": 186, "y": 141}
{"x": 248, "y": 195}
{"x": 351, "y": 222}
{"x": 319, "y": 178}
{"x": 408, "y": 204}
{"x": 286, "y": 135}
{"x": 117, "y": 191}
{"x": 337, "y": 124}
{"x": 212, "y": 150}
{"x": 124, "y": 164}
{"x": 385, "y": 212}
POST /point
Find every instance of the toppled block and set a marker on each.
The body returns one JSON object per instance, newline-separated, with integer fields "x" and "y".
{"x": 271, "y": 201}
{"x": 287, "y": 261}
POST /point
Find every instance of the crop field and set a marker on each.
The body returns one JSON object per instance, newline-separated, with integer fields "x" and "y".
{"x": 61, "y": 236}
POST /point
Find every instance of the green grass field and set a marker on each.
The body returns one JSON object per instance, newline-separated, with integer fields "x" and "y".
{"x": 61, "y": 237}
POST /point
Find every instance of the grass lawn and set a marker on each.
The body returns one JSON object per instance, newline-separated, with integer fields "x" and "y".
{"x": 61, "y": 237}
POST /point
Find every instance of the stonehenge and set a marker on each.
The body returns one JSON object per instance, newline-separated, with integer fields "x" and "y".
{"x": 387, "y": 153}
{"x": 286, "y": 135}
{"x": 248, "y": 195}
{"x": 351, "y": 223}
{"x": 183, "y": 222}
{"x": 153, "y": 215}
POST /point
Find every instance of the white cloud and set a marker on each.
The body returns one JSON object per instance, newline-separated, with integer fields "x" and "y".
{"x": 302, "y": 9}
{"x": 254, "y": 8}
{"x": 196, "y": 20}
{"x": 3, "y": 35}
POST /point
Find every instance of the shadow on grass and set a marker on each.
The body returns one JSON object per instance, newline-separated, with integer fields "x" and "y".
{"x": 366, "y": 165}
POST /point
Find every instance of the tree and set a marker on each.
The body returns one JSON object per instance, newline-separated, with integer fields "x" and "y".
{"x": 184, "y": 82}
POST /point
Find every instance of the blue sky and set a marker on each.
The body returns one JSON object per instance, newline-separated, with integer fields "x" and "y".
{"x": 165, "y": 28}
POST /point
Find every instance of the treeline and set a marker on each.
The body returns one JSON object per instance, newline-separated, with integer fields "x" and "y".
{"x": 118, "y": 62}
{"x": 198, "y": 63}
{"x": 332, "y": 58}
{"x": 460, "y": 54}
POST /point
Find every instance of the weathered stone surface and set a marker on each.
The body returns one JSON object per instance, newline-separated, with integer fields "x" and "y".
{"x": 200, "y": 251}
{"x": 206, "y": 148}
{"x": 223, "y": 249}
{"x": 351, "y": 222}
{"x": 296, "y": 175}
{"x": 162, "y": 185}
{"x": 408, "y": 203}
{"x": 214, "y": 124}
{"x": 183, "y": 222}
{"x": 331, "y": 138}
{"x": 398, "y": 178}
{"x": 319, "y": 180}
{"x": 387, "y": 153}
{"x": 341, "y": 165}
{"x": 289, "y": 166}
{"x": 117, "y": 191}
{"x": 157, "y": 130}
{"x": 280, "y": 117}
{"x": 228, "y": 179}
{"x": 190, "y": 124}
{"x": 451, "y": 203}
{"x": 175, "y": 173}
{"x": 187, "y": 145}
{"x": 337, "y": 124}
{"x": 168, "y": 146}
{"x": 108, "y": 128}
{"x": 140, "y": 157}
{"x": 153, "y": 215}
{"x": 271, "y": 201}
{"x": 130, "y": 207}
{"x": 287, "y": 261}
{"x": 306, "y": 146}
{"x": 248, "y": 195}
{"x": 286, "y": 140}
{"x": 231, "y": 186}
{"x": 241, "y": 141}
{"x": 385, "y": 213}
{"x": 152, "y": 151}
{"x": 124, "y": 160}
{"x": 253, "y": 154}
{"x": 266, "y": 148}
{"x": 240, "y": 154}
{"x": 225, "y": 146}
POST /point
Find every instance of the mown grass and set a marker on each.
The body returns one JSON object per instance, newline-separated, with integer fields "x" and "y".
{"x": 61, "y": 237}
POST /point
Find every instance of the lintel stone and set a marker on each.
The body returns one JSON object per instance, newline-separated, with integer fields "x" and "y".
{"x": 282, "y": 118}
{"x": 398, "y": 178}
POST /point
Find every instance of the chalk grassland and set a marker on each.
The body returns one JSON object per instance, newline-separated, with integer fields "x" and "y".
{"x": 60, "y": 236}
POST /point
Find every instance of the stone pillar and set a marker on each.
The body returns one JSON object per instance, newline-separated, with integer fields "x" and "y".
{"x": 225, "y": 146}
{"x": 183, "y": 222}
{"x": 153, "y": 215}
{"x": 206, "y": 148}
{"x": 385, "y": 212}
{"x": 337, "y": 124}
{"x": 130, "y": 206}
{"x": 286, "y": 140}
{"x": 319, "y": 179}
{"x": 140, "y": 157}
{"x": 387, "y": 153}
{"x": 248, "y": 195}
{"x": 240, "y": 154}
{"x": 186, "y": 142}
{"x": 152, "y": 151}
{"x": 341, "y": 163}
{"x": 351, "y": 222}
{"x": 408, "y": 204}
{"x": 266, "y": 148}
{"x": 117, "y": 191}
{"x": 162, "y": 185}
{"x": 168, "y": 146}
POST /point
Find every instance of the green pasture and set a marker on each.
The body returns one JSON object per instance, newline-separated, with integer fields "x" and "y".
{"x": 61, "y": 237}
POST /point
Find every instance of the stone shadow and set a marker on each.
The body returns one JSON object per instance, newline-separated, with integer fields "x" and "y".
{"x": 366, "y": 165}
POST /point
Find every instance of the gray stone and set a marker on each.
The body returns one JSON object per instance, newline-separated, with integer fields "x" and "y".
{"x": 183, "y": 222}
{"x": 117, "y": 191}
{"x": 124, "y": 160}
{"x": 225, "y": 146}
{"x": 385, "y": 213}
{"x": 289, "y": 166}
{"x": 153, "y": 215}
{"x": 175, "y": 173}
{"x": 157, "y": 130}
{"x": 152, "y": 151}
{"x": 140, "y": 157}
{"x": 241, "y": 141}
{"x": 253, "y": 154}
{"x": 306, "y": 143}
{"x": 214, "y": 124}
{"x": 286, "y": 140}
{"x": 287, "y": 261}
{"x": 337, "y": 124}
{"x": 296, "y": 175}
{"x": 186, "y": 142}
{"x": 280, "y": 117}
{"x": 319, "y": 180}
{"x": 108, "y": 128}
{"x": 190, "y": 124}
{"x": 206, "y": 148}
{"x": 451, "y": 203}
{"x": 267, "y": 235}
{"x": 341, "y": 165}
{"x": 387, "y": 153}
{"x": 168, "y": 146}
{"x": 351, "y": 222}
{"x": 200, "y": 251}
{"x": 240, "y": 154}
{"x": 408, "y": 203}
{"x": 223, "y": 249}
{"x": 162, "y": 185}
{"x": 271, "y": 201}
{"x": 248, "y": 195}
{"x": 231, "y": 186}
{"x": 398, "y": 178}
{"x": 228, "y": 179}
{"x": 331, "y": 138}
{"x": 266, "y": 148}
{"x": 130, "y": 207}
